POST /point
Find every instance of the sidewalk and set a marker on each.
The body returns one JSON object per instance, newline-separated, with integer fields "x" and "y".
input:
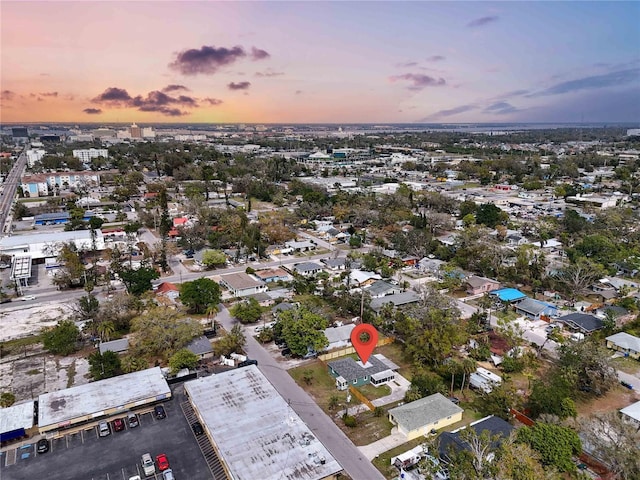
{"x": 385, "y": 444}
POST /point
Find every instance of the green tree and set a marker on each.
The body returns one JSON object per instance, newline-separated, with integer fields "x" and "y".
{"x": 138, "y": 281}
{"x": 303, "y": 330}
{"x": 131, "y": 363}
{"x": 423, "y": 384}
{"x": 211, "y": 258}
{"x": 555, "y": 444}
{"x": 589, "y": 365}
{"x": 7, "y": 399}
{"x": 232, "y": 342}
{"x": 490, "y": 215}
{"x": 200, "y": 294}
{"x": 88, "y": 307}
{"x": 104, "y": 365}
{"x": 61, "y": 339}
{"x": 183, "y": 358}
{"x": 518, "y": 461}
{"x": 247, "y": 311}
{"x": 105, "y": 329}
{"x": 162, "y": 332}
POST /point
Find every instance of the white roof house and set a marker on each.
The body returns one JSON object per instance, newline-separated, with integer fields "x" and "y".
{"x": 242, "y": 284}
{"x": 255, "y": 431}
{"x": 102, "y": 398}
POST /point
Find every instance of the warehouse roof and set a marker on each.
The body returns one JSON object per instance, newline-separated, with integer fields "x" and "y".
{"x": 256, "y": 432}
{"x": 92, "y": 399}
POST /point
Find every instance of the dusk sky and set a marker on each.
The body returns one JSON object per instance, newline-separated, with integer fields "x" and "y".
{"x": 303, "y": 62}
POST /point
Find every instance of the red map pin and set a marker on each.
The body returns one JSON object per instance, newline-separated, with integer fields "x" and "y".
{"x": 364, "y": 339}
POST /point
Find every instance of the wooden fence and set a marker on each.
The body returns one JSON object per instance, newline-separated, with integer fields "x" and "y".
{"x": 361, "y": 397}
{"x": 348, "y": 350}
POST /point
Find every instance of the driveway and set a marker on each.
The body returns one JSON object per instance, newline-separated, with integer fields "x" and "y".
{"x": 385, "y": 444}
{"x": 343, "y": 450}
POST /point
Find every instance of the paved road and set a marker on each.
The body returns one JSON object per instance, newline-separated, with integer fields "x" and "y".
{"x": 343, "y": 450}
{"x": 9, "y": 191}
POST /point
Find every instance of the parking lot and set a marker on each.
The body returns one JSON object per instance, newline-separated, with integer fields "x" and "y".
{"x": 83, "y": 455}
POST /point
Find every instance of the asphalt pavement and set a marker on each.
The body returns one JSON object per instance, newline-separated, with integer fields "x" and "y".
{"x": 352, "y": 460}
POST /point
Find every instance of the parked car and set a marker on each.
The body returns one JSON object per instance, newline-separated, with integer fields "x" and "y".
{"x": 132, "y": 419}
{"x": 159, "y": 412}
{"x": 147, "y": 465}
{"x": 197, "y": 428}
{"x": 28, "y": 297}
{"x": 246, "y": 363}
{"x": 163, "y": 462}
{"x": 42, "y": 446}
{"x": 118, "y": 425}
{"x": 286, "y": 352}
{"x": 135, "y": 477}
{"x": 104, "y": 429}
{"x": 168, "y": 475}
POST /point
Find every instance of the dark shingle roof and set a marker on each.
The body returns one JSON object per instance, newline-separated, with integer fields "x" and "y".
{"x": 494, "y": 425}
{"x": 582, "y": 321}
{"x": 351, "y": 370}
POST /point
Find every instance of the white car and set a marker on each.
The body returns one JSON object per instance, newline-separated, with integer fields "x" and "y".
{"x": 28, "y": 297}
{"x": 148, "y": 465}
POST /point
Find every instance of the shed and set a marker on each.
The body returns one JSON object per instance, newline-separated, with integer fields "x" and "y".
{"x": 118, "y": 346}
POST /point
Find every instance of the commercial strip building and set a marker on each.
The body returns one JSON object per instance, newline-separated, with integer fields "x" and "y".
{"x": 16, "y": 420}
{"x": 86, "y": 403}
{"x": 254, "y": 431}
{"x": 48, "y": 245}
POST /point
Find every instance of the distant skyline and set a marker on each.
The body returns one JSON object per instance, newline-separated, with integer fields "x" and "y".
{"x": 320, "y": 62}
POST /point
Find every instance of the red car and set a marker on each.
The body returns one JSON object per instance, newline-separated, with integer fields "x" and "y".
{"x": 163, "y": 462}
{"x": 118, "y": 425}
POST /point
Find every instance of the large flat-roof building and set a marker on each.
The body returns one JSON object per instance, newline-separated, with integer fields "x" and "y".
{"x": 85, "y": 403}
{"x": 255, "y": 432}
{"x": 48, "y": 245}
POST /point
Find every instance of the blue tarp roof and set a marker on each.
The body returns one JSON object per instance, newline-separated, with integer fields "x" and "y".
{"x": 508, "y": 294}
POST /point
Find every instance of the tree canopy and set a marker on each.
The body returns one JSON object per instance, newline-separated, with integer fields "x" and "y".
{"x": 162, "y": 332}
{"x": 183, "y": 358}
{"x": 247, "y": 311}
{"x": 555, "y": 444}
{"x": 104, "y": 365}
{"x": 138, "y": 281}
{"x": 61, "y": 339}
{"x": 303, "y": 330}
{"x": 200, "y": 294}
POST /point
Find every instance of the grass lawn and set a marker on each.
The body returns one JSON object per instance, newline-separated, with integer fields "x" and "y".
{"x": 321, "y": 386}
{"x": 626, "y": 364}
{"x": 18, "y": 345}
{"x": 393, "y": 352}
{"x": 369, "y": 429}
{"x": 372, "y": 392}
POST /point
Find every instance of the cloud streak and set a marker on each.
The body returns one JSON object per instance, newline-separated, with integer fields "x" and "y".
{"x": 92, "y": 111}
{"x": 175, "y": 88}
{"x": 594, "y": 82}
{"x": 482, "y": 21}
{"x": 419, "y": 81}
{"x": 449, "y": 112}
{"x": 7, "y": 95}
{"x": 500, "y": 108}
{"x": 268, "y": 74}
{"x": 436, "y": 58}
{"x": 212, "y": 101}
{"x": 208, "y": 60}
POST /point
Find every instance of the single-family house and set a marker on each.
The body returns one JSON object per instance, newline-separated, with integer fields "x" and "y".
{"x": 581, "y": 322}
{"x": 302, "y": 246}
{"x": 118, "y": 346}
{"x": 307, "y": 269}
{"x": 397, "y": 300}
{"x": 360, "y": 278}
{"x": 380, "y": 289}
{"x": 479, "y": 285}
{"x": 619, "y": 314}
{"x": 431, "y": 265}
{"x": 632, "y": 413}
{"x": 535, "y": 309}
{"x": 377, "y": 371}
{"x": 494, "y": 426}
{"x": 508, "y": 295}
{"x": 273, "y": 275}
{"x": 201, "y": 346}
{"x": 334, "y": 264}
{"x": 241, "y": 284}
{"x": 421, "y": 417}
{"x": 283, "y": 307}
{"x": 168, "y": 293}
{"x": 625, "y": 343}
{"x": 339, "y": 337}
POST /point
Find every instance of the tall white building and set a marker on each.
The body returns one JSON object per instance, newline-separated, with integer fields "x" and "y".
{"x": 34, "y": 156}
{"x": 86, "y": 155}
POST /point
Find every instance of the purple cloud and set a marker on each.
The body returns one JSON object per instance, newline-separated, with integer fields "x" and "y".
{"x": 298, "y": 92}
{"x": 407, "y": 64}
{"x": 113, "y": 95}
{"x": 482, "y": 21}
{"x": 258, "y": 54}
{"x": 7, "y": 95}
{"x": 419, "y": 81}
{"x": 435, "y": 58}
{"x": 49, "y": 94}
{"x": 239, "y": 85}
{"x": 212, "y": 101}
{"x": 206, "y": 60}
{"x": 155, "y": 101}
{"x": 92, "y": 111}
{"x": 175, "y": 88}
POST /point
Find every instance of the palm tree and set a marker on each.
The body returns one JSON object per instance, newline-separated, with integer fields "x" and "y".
{"x": 468, "y": 366}
{"x": 130, "y": 364}
{"x": 105, "y": 330}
